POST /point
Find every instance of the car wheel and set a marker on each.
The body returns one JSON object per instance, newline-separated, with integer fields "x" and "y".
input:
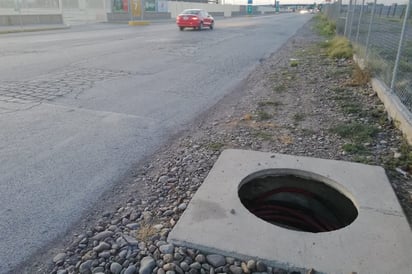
{"x": 212, "y": 25}
{"x": 182, "y": 28}
{"x": 200, "y": 26}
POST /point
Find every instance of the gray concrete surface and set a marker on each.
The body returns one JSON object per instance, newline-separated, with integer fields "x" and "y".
{"x": 377, "y": 241}
{"x": 80, "y": 107}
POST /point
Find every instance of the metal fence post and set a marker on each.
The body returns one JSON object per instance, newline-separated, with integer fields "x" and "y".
{"x": 338, "y": 9}
{"x": 369, "y": 30}
{"x": 351, "y": 20}
{"x": 359, "y": 21}
{"x": 347, "y": 18}
{"x": 398, "y": 55}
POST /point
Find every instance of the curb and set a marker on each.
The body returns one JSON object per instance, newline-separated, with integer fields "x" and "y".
{"x": 139, "y": 23}
{"x": 32, "y": 30}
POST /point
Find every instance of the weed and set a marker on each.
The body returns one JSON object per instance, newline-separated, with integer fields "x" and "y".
{"x": 404, "y": 161}
{"x": 355, "y": 148}
{"x": 405, "y": 66}
{"x": 338, "y": 72}
{"x": 341, "y": 97}
{"x": 279, "y": 88}
{"x": 293, "y": 63}
{"x": 356, "y": 132}
{"x": 351, "y": 107}
{"x": 362, "y": 159}
{"x": 298, "y": 117}
{"x": 263, "y": 115}
{"x": 324, "y": 26}
{"x": 308, "y": 131}
{"x": 215, "y": 146}
{"x": 380, "y": 116}
{"x": 263, "y": 135}
{"x": 338, "y": 89}
{"x": 269, "y": 103}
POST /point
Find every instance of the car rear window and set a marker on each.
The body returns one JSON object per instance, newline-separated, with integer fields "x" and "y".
{"x": 191, "y": 12}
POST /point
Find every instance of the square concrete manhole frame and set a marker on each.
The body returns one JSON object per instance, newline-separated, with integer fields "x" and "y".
{"x": 378, "y": 241}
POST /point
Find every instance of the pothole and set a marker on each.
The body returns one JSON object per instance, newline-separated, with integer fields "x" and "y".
{"x": 296, "y": 202}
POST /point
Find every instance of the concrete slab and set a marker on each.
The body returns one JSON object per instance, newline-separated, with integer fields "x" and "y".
{"x": 378, "y": 241}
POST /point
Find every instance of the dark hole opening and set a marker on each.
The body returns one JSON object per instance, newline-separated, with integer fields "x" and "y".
{"x": 297, "y": 203}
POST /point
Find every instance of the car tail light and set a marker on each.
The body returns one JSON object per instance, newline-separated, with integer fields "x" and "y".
{"x": 195, "y": 18}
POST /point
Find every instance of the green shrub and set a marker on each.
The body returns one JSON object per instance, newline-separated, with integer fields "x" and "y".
{"x": 324, "y": 26}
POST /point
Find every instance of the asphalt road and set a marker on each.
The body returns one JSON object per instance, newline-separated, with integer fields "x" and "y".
{"x": 80, "y": 107}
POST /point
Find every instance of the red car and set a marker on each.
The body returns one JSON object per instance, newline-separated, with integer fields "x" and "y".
{"x": 194, "y": 18}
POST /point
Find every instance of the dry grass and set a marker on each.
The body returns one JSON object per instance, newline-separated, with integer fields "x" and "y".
{"x": 247, "y": 117}
{"x": 286, "y": 139}
{"x": 339, "y": 47}
{"x": 146, "y": 231}
{"x": 360, "y": 77}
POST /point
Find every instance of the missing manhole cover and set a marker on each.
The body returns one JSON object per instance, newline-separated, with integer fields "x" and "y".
{"x": 295, "y": 202}
{"x": 376, "y": 238}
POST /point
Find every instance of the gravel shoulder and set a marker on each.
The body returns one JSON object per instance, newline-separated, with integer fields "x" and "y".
{"x": 298, "y": 101}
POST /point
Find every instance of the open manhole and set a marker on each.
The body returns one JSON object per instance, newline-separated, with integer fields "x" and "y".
{"x": 297, "y": 200}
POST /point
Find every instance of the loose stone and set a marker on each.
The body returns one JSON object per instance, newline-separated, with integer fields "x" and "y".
{"x": 235, "y": 269}
{"x": 130, "y": 270}
{"x": 230, "y": 260}
{"x": 168, "y": 258}
{"x": 99, "y": 269}
{"x": 244, "y": 267}
{"x": 168, "y": 267}
{"x": 102, "y": 235}
{"x": 123, "y": 254}
{"x": 132, "y": 226}
{"x": 146, "y": 265}
{"x": 85, "y": 268}
{"x": 206, "y": 267}
{"x": 59, "y": 258}
{"x": 260, "y": 266}
{"x": 163, "y": 179}
{"x": 251, "y": 264}
{"x": 104, "y": 254}
{"x": 216, "y": 260}
{"x": 179, "y": 270}
{"x": 196, "y": 265}
{"x": 182, "y": 207}
{"x": 200, "y": 258}
{"x": 131, "y": 240}
{"x": 101, "y": 247}
{"x": 184, "y": 266}
{"x": 166, "y": 249}
{"x": 168, "y": 213}
{"x": 279, "y": 271}
{"x": 193, "y": 271}
{"x": 178, "y": 257}
{"x": 115, "y": 268}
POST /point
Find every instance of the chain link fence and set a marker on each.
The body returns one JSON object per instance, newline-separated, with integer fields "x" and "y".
{"x": 381, "y": 33}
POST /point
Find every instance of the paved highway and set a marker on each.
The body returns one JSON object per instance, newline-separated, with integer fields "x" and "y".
{"x": 80, "y": 107}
